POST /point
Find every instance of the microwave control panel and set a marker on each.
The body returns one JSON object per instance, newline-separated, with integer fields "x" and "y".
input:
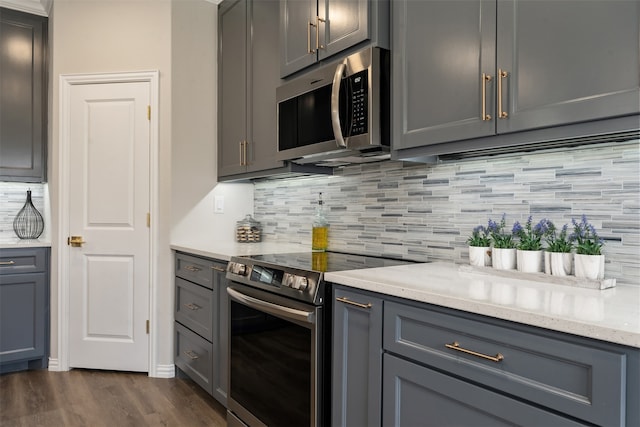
{"x": 359, "y": 89}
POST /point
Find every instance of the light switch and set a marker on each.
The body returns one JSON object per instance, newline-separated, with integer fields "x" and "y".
{"x": 218, "y": 204}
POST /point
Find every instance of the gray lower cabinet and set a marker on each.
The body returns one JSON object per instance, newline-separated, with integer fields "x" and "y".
{"x": 447, "y": 367}
{"x": 23, "y": 96}
{"x": 248, "y": 77}
{"x": 311, "y": 31}
{"x": 201, "y": 336}
{"x": 24, "y": 309}
{"x": 357, "y": 363}
{"x": 469, "y": 70}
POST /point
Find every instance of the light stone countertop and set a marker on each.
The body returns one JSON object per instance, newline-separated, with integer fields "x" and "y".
{"x": 611, "y": 315}
{"x": 16, "y": 242}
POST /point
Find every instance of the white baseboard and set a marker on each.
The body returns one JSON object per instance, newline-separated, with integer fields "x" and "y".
{"x": 54, "y": 365}
{"x": 164, "y": 371}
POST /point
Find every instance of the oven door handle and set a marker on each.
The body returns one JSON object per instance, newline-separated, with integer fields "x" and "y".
{"x": 271, "y": 308}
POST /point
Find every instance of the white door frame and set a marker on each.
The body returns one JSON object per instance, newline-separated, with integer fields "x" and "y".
{"x": 66, "y": 81}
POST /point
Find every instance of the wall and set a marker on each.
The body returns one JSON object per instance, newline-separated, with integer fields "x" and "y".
{"x": 422, "y": 212}
{"x": 194, "y": 132}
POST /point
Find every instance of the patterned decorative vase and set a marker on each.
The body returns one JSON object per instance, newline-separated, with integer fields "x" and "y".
{"x": 561, "y": 263}
{"x": 480, "y": 256}
{"x": 530, "y": 261}
{"x": 589, "y": 266}
{"x": 503, "y": 259}
{"x": 28, "y": 224}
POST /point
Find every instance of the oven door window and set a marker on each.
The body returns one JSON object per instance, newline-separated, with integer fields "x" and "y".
{"x": 270, "y": 367}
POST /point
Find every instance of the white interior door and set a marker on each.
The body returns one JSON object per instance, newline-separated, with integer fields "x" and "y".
{"x": 109, "y": 196}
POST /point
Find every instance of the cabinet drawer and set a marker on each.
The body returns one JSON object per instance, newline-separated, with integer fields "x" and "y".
{"x": 417, "y": 396}
{"x": 194, "y": 269}
{"x": 23, "y": 260}
{"x": 193, "y": 355}
{"x": 194, "y": 307}
{"x": 581, "y": 381}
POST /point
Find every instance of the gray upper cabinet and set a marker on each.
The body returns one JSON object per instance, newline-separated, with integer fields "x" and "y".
{"x": 23, "y": 96}
{"x": 248, "y": 77}
{"x": 472, "y": 69}
{"x": 313, "y": 30}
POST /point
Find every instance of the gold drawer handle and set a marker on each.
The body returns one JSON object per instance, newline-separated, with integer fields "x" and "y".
{"x": 7, "y": 262}
{"x": 192, "y": 268}
{"x": 357, "y": 304}
{"x": 456, "y": 346}
{"x": 191, "y": 354}
{"x": 220, "y": 269}
{"x": 192, "y": 306}
{"x": 501, "y": 75}
{"x": 485, "y": 79}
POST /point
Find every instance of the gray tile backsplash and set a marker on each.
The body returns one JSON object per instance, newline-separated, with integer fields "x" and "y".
{"x": 426, "y": 212}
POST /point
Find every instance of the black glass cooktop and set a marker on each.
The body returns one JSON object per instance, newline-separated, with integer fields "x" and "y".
{"x": 326, "y": 261}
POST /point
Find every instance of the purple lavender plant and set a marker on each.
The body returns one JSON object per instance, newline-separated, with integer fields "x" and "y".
{"x": 558, "y": 242}
{"x": 530, "y": 236}
{"x": 587, "y": 240}
{"x": 501, "y": 239}
{"x": 479, "y": 237}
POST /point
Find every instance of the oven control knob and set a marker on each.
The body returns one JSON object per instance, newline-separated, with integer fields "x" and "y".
{"x": 239, "y": 269}
{"x": 303, "y": 283}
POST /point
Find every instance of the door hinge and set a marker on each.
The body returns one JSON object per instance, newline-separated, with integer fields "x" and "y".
{"x": 147, "y": 327}
{"x": 148, "y": 219}
{"x": 149, "y": 112}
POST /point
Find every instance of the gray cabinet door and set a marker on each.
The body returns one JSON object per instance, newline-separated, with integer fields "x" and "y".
{"x": 23, "y": 100}
{"x": 440, "y": 50}
{"x": 248, "y": 77}
{"x": 264, "y": 78}
{"x": 414, "y": 395}
{"x": 232, "y": 86}
{"x": 567, "y": 61}
{"x": 297, "y": 35}
{"x": 357, "y": 359}
{"x": 345, "y": 24}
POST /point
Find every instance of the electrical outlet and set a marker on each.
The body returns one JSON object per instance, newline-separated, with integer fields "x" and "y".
{"x": 218, "y": 204}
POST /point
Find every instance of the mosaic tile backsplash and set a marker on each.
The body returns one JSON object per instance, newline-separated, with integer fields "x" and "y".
{"x": 426, "y": 212}
{"x": 12, "y": 198}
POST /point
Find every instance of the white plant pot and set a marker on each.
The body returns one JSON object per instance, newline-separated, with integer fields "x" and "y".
{"x": 480, "y": 256}
{"x": 547, "y": 262}
{"x": 503, "y": 259}
{"x": 530, "y": 261}
{"x": 561, "y": 263}
{"x": 589, "y": 266}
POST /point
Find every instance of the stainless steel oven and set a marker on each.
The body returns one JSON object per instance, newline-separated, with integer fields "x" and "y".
{"x": 280, "y": 337}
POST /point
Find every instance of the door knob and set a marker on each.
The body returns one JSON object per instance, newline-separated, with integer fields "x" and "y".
{"x": 75, "y": 241}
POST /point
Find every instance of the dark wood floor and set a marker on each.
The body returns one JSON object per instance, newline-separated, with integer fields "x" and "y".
{"x": 104, "y": 398}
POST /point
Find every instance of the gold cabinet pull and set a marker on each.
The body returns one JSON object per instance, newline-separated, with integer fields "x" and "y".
{"x": 192, "y": 268}
{"x": 501, "y": 75}
{"x": 191, "y": 354}
{"x": 456, "y": 346}
{"x": 486, "y": 78}
{"x": 309, "y": 50}
{"x": 318, "y": 21}
{"x": 192, "y": 306}
{"x": 7, "y": 262}
{"x": 220, "y": 269}
{"x": 357, "y": 304}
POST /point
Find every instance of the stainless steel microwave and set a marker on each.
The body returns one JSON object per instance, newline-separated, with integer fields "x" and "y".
{"x": 337, "y": 114}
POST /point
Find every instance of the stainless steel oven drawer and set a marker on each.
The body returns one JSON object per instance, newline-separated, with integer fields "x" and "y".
{"x": 579, "y": 380}
{"x": 193, "y": 355}
{"x": 194, "y": 308}
{"x": 194, "y": 269}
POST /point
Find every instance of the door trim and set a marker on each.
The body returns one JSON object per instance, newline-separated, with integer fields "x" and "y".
{"x": 66, "y": 82}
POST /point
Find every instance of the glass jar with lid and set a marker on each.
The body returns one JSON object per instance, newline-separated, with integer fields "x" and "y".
{"x": 248, "y": 230}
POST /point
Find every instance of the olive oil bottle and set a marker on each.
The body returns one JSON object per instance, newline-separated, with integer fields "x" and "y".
{"x": 320, "y": 230}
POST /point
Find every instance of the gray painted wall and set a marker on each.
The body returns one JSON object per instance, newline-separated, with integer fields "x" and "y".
{"x": 426, "y": 212}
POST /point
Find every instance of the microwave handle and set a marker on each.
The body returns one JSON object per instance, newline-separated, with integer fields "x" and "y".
{"x": 335, "y": 106}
